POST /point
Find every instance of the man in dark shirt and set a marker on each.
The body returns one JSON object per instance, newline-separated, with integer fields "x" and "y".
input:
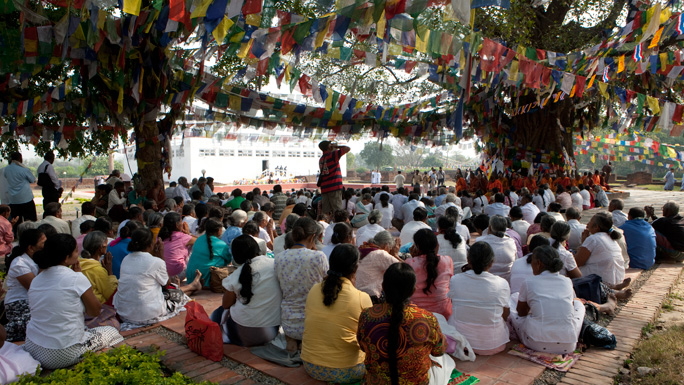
{"x": 669, "y": 232}
{"x": 330, "y": 178}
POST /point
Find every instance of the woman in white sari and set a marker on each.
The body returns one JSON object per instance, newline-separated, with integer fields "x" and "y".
{"x": 362, "y": 209}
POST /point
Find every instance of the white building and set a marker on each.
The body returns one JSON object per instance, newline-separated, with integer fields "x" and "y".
{"x": 230, "y": 156}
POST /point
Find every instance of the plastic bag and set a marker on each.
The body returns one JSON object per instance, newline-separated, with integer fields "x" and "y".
{"x": 457, "y": 345}
{"x": 597, "y": 335}
{"x": 203, "y": 335}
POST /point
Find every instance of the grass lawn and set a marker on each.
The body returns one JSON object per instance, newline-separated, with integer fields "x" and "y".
{"x": 663, "y": 352}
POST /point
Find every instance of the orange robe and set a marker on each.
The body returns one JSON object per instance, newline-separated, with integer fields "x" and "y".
{"x": 461, "y": 184}
{"x": 530, "y": 184}
{"x": 495, "y": 184}
{"x": 597, "y": 179}
{"x": 518, "y": 184}
{"x": 505, "y": 183}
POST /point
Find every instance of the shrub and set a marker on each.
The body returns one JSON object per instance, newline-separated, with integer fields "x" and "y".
{"x": 122, "y": 365}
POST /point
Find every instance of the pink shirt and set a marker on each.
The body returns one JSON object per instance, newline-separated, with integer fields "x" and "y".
{"x": 79, "y": 242}
{"x": 6, "y": 236}
{"x": 176, "y": 252}
{"x": 437, "y": 300}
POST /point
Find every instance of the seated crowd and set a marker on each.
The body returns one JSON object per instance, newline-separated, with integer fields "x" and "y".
{"x": 361, "y": 293}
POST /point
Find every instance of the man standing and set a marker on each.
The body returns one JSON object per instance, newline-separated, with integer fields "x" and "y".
{"x": 669, "y": 180}
{"x": 47, "y": 179}
{"x": 440, "y": 177}
{"x": 608, "y": 169}
{"x": 399, "y": 180}
{"x": 19, "y": 179}
{"x": 330, "y": 180}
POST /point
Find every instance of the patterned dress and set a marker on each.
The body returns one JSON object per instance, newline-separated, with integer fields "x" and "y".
{"x": 297, "y": 271}
{"x": 419, "y": 337}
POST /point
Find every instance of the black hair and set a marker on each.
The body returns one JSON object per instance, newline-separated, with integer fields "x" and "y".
{"x": 129, "y": 228}
{"x": 48, "y": 229}
{"x": 546, "y": 223}
{"x": 398, "y": 284}
{"x": 141, "y": 239}
{"x": 499, "y": 197}
{"x": 30, "y": 237}
{"x": 244, "y": 248}
{"x": 340, "y": 216}
{"x": 201, "y": 210}
{"x": 548, "y": 256}
{"x": 251, "y": 228}
{"x": 480, "y": 256}
{"x": 604, "y": 221}
{"x": 636, "y": 212}
{"x": 134, "y": 212}
{"x": 86, "y": 226}
{"x": 188, "y": 209}
{"x": 57, "y": 249}
{"x": 559, "y": 232}
{"x": 384, "y": 199}
{"x": 420, "y": 214}
{"x": 341, "y": 232}
{"x": 536, "y": 241}
{"x": 448, "y": 226}
{"x": 516, "y": 212}
{"x": 299, "y": 209}
{"x": 246, "y": 206}
{"x": 344, "y": 260}
{"x": 426, "y": 242}
{"x": 481, "y": 221}
{"x": 304, "y": 228}
{"x": 539, "y": 217}
{"x": 554, "y": 207}
{"x": 170, "y": 225}
{"x": 212, "y": 226}
{"x": 88, "y": 208}
{"x": 179, "y": 200}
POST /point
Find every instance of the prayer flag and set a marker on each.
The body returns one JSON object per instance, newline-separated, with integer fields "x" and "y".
{"x": 656, "y": 38}
{"x": 621, "y": 64}
{"x": 637, "y": 53}
{"x": 605, "y": 74}
{"x": 132, "y": 7}
{"x": 680, "y": 23}
{"x": 177, "y": 10}
{"x": 653, "y": 104}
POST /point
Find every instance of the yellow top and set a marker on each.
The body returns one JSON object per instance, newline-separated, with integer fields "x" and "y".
{"x": 329, "y": 338}
{"x": 104, "y": 285}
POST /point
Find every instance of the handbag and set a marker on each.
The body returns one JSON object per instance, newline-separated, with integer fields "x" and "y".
{"x": 216, "y": 276}
{"x": 588, "y": 287}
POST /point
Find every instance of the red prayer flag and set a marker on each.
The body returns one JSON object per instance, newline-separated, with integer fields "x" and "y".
{"x": 177, "y": 10}
{"x": 251, "y": 7}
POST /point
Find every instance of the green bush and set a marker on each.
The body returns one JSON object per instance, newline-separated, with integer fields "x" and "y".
{"x": 123, "y": 365}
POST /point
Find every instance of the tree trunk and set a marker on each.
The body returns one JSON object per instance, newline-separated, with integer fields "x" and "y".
{"x": 149, "y": 154}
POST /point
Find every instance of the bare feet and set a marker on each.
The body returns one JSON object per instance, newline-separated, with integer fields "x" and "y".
{"x": 195, "y": 285}
{"x": 610, "y": 305}
{"x": 623, "y": 294}
{"x": 622, "y": 285}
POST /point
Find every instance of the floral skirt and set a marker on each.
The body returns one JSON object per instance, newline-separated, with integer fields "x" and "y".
{"x": 95, "y": 339}
{"x": 18, "y": 316}
{"x": 337, "y": 375}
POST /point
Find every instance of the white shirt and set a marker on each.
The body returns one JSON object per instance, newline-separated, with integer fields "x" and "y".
{"x": 115, "y": 199}
{"x": 520, "y": 226}
{"x": 328, "y": 233}
{"x": 170, "y": 192}
{"x": 367, "y": 232}
{"x": 47, "y": 168}
{"x": 479, "y": 205}
{"x": 464, "y": 232}
{"x": 497, "y": 208}
{"x": 328, "y": 249}
{"x": 192, "y": 224}
{"x": 408, "y": 208}
{"x": 478, "y": 301}
{"x": 19, "y": 179}
{"x": 619, "y": 218}
{"x": 263, "y": 309}
{"x": 605, "y": 260}
{"x": 441, "y": 209}
{"x": 569, "y": 263}
{"x": 56, "y": 307}
{"x": 548, "y": 196}
{"x": 576, "y": 230}
{"x": 540, "y": 202}
{"x": 279, "y": 244}
{"x": 376, "y": 197}
{"x": 21, "y": 265}
{"x": 76, "y": 224}
{"x": 399, "y": 180}
{"x": 529, "y": 212}
{"x": 263, "y": 234}
{"x": 59, "y": 224}
{"x": 505, "y": 253}
{"x": 550, "y": 297}
{"x": 371, "y": 270}
{"x": 398, "y": 201}
{"x": 183, "y": 193}
{"x": 387, "y": 215}
{"x": 411, "y": 229}
{"x": 139, "y": 297}
{"x": 557, "y": 216}
{"x": 520, "y": 271}
{"x": 577, "y": 201}
{"x": 459, "y": 255}
{"x": 586, "y": 197}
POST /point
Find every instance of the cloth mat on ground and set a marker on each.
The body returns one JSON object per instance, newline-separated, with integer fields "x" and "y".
{"x": 457, "y": 378}
{"x": 272, "y": 353}
{"x": 559, "y": 362}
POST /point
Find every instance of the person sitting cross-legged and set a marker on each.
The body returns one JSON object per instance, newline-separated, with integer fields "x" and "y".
{"x": 547, "y": 318}
{"x": 640, "y": 238}
{"x": 329, "y": 348}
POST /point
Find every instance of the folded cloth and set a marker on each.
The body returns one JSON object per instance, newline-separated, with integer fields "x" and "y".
{"x": 272, "y": 353}
{"x": 559, "y": 362}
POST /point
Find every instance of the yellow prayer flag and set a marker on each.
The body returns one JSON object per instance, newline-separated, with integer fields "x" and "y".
{"x": 380, "y": 27}
{"x": 201, "y": 8}
{"x": 221, "y": 30}
{"x": 603, "y": 87}
{"x": 253, "y": 19}
{"x": 656, "y": 38}
{"x": 653, "y": 104}
{"x": 132, "y": 7}
{"x": 101, "y": 18}
{"x": 572, "y": 93}
{"x": 591, "y": 82}
{"x": 663, "y": 61}
{"x": 394, "y": 49}
{"x": 621, "y": 64}
{"x": 244, "y": 49}
{"x": 421, "y": 44}
{"x": 671, "y": 152}
{"x": 513, "y": 73}
{"x": 235, "y": 102}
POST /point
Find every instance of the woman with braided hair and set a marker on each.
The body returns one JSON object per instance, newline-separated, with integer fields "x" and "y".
{"x": 401, "y": 340}
{"x": 330, "y": 351}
